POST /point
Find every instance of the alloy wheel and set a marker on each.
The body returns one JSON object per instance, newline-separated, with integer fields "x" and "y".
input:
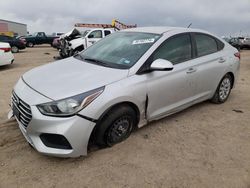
{"x": 225, "y": 88}
{"x": 14, "y": 49}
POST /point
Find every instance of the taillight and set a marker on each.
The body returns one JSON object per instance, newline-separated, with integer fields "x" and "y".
{"x": 237, "y": 55}
{"x": 5, "y": 49}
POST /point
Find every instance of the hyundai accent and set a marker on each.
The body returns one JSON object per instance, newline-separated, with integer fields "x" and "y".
{"x": 120, "y": 83}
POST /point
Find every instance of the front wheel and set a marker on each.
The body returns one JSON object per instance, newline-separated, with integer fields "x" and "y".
{"x": 223, "y": 90}
{"x": 116, "y": 126}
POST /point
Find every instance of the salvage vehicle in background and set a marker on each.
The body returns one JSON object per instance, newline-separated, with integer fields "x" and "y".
{"x": 6, "y": 57}
{"x": 15, "y": 43}
{"x": 78, "y": 44}
{"x": 64, "y": 47}
{"x": 120, "y": 83}
{"x": 39, "y": 38}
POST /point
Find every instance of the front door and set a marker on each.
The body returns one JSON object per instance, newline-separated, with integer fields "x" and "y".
{"x": 170, "y": 91}
{"x": 93, "y": 37}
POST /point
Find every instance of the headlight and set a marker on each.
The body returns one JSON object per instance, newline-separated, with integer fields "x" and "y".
{"x": 71, "y": 105}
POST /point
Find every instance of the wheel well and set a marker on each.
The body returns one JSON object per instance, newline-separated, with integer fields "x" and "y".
{"x": 232, "y": 76}
{"x": 80, "y": 48}
{"x": 132, "y": 105}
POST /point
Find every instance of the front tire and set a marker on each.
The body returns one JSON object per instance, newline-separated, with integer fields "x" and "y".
{"x": 116, "y": 126}
{"x": 223, "y": 90}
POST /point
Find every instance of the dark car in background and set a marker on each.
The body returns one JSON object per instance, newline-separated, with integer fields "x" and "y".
{"x": 56, "y": 43}
{"x": 235, "y": 42}
{"x": 16, "y": 44}
{"x": 39, "y": 38}
{"x": 245, "y": 42}
{"x": 22, "y": 38}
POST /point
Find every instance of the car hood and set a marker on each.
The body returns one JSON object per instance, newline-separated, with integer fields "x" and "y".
{"x": 70, "y": 77}
{"x": 73, "y": 33}
{"x": 77, "y": 42}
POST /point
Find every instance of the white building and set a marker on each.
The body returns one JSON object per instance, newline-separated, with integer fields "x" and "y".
{"x": 15, "y": 27}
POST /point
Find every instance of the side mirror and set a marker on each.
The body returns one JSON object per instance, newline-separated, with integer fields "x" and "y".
{"x": 91, "y": 36}
{"x": 161, "y": 65}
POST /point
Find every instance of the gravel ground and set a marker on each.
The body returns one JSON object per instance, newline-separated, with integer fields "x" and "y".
{"x": 206, "y": 145}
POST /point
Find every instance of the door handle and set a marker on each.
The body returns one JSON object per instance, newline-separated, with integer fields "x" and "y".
{"x": 191, "y": 70}
{"x": 92, "y": 41}
{"x": 221, "y": 60}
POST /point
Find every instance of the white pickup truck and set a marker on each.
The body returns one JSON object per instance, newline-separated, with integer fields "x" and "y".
{"x": 78, "y": 44}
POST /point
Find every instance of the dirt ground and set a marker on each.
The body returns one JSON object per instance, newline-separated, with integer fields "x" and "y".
{"x": 204, "y": 146}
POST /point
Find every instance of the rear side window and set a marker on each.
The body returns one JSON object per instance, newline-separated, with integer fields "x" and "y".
{"x": 205, "y": 44}
{"x": 221, "y": 44}
{"x": 176, "y": 49}
{"x": 106, "y": 32}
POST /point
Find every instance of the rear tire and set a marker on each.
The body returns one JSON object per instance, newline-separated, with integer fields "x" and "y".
{"x": 116, "y": 126}
{"x": 30, "y": 44}
{"x": 223, "y": 90}
{"x": 14, "y": 49}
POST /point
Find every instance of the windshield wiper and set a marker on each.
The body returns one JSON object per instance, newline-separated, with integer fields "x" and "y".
{"x": 78, "y": 55}
{"x": 98, "y": 62}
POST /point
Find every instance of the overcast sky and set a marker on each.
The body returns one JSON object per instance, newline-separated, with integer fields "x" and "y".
{"x": 222, "y": 17}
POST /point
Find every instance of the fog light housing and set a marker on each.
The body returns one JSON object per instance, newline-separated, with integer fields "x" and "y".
{"x": 55, "y": 141}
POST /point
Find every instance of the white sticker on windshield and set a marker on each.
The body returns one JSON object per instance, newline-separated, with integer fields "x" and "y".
{"x": 143, "y": 41}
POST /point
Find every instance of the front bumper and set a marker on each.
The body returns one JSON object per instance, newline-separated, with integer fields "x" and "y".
{"x": 75, "y": 129}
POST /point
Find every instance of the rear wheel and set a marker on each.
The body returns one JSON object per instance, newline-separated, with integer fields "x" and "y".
{"x": 223, "y": 90}
{"x": 116, "y": 126}
{"x": 14, "y": 49}
{"x": 30, "y": 44}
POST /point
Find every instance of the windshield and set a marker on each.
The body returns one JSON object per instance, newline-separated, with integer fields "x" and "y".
{"x": 119, "y": 50}
{"x": 84, "y": 33}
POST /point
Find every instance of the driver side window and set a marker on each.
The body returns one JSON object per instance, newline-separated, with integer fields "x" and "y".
{"x": 176, "y": 49}
{"x": 96, "y": 34}
{"x": 39, "y": 34}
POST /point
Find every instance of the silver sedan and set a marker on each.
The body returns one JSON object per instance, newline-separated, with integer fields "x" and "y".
{"x": 120, "y": 83}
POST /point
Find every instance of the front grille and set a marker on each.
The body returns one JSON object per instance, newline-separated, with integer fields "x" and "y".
{"x": 21, "y": 110}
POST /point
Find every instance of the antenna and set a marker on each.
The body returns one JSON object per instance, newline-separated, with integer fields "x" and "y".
{"x": 189, "y": 25}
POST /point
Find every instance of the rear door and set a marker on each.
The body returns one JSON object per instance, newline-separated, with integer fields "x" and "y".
{"x": 209, "y": 64}
{"x": 170, "y": 91}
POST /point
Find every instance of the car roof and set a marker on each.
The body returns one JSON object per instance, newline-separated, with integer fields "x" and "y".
{"x": 162, "y": 29}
